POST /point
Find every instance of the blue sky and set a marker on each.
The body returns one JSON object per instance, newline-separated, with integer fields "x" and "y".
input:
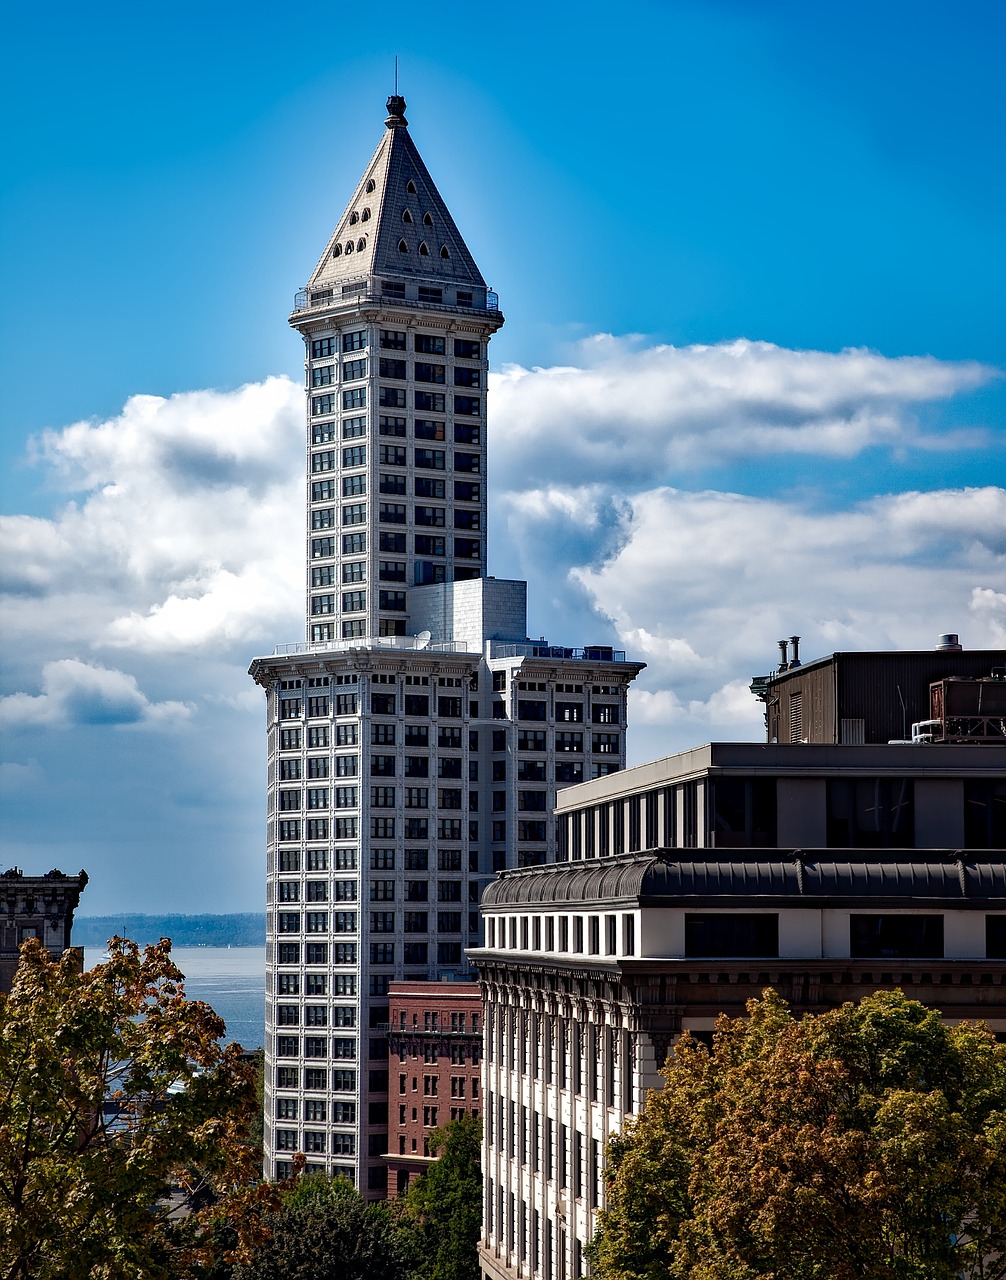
{"x": 786, "y": 218}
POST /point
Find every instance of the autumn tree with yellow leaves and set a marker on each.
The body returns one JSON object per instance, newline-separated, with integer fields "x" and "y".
{"x": 123, "y": 1124}
{"x": 866, "y": 1143}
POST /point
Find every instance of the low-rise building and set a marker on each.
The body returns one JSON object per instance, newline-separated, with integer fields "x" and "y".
{"x": 35, "y": 907}
{"x": 435, "y": 1048}
{"x": 687, "y": 886}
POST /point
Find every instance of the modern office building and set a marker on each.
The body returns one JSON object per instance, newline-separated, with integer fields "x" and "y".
{"x": 417, "y": 737}
{"x": 35, "y": 907}
{"x": 435, "y": 1045}
{"x": 685, "y": 887}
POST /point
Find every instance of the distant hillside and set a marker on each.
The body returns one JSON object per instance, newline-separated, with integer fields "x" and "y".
{"x": 240, "y": 930}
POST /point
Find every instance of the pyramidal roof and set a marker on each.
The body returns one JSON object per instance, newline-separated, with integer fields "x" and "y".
{"x": 397, "y": 224}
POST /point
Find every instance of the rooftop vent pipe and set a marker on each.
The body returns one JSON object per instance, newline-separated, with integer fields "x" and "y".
{"x": 949, "y": 643}
{"x": 783, "y": 654}
{"x": 795, "y": 660}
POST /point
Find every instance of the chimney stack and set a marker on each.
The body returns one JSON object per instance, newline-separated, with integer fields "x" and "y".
{"x": 795, "y": 660}
{"x": 949, "y": 643}
{"x": 783, "y": 654}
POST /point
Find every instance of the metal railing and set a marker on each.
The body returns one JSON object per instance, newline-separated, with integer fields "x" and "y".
{"x": 529, "y": 649}
{"x": 367, "y": 291}
{"x": 406, "y": 644}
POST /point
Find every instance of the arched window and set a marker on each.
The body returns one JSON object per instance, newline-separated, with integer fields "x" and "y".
{"x": 424, "y": 250}
{"x": 410, "y": 187}
{"x": 349, "y": 246}
{"x": 365, "y": 216}
{"x": 370, "y": 185}
{"x": 403, "y": 247}
{"x": 406, "y": 216}
{"x": 427, "y": 220}
{"x": 337, "y": 251}
{"x": 444, "y": 251}
{"x": 354, "y": 218}
{"x": 361, "y": 244}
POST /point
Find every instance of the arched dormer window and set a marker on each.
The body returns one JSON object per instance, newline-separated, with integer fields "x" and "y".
{"x": 371, "y": 184}
{"x": 410, "y": 187}
{"x": 337, "y": 251}
{"x": 354, "y": 218}
{"x": 365, "y": 216}
{"x": 424, "y": 250}
{"x": 349, "y": 246}
{"x": 403, "y": 247}
{"x": 406, "y": 216}
{"x": 361, "y": 244}
{"x": 444, "y": 251}
{"x": 427, "y": 220}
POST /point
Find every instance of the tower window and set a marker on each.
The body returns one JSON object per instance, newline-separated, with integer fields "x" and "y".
{"x": 361, "y": 244}
{"x": 365, "y": 216}
{"x": 427, "y": 220}
{"x": 444, "y": 251}
{"x": 349, "y": 246}
{"x": 424, "y": 250}
{"x": 337, "y": 251}
{"x": 403, "y": 247}
{"x": 406, "y": 216}
{"x": 410, "y": 187}
{"x": 354, "y": 218}
{"x": 370, "y": 185}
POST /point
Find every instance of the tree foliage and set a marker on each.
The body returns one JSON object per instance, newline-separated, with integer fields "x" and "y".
{"x": 445, "y": 1203}
{"x": 324, "y": 1230}
{"x": 867, "y": 1143}
{"x": 123, "y": 1122}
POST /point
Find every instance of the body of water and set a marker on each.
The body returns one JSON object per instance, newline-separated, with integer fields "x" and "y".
{"x": 230, "y": 979}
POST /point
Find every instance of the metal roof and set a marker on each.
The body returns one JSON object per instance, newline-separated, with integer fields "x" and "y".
{"x": 669, "y": 876}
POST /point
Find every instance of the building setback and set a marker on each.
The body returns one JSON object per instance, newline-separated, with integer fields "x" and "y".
{"x": 684, "y": 888}
{"x": 417, "y": 737}
{"x": 435, "y": 1044}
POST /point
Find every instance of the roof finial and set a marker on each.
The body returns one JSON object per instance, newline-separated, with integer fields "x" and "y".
{"x": 396, "y": 105}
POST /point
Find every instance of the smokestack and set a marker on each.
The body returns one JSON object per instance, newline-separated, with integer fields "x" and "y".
{"x": 949, "y": 643}
{"x": 795, "y": 642}
{"x": 783, "y": 654}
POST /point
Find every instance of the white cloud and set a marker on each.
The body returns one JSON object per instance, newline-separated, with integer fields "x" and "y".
{"x": 78, "y": 693}
{"x": 184, "y": 535}
{"x": 635, "y": 413}
{"x": 702, "y": 584}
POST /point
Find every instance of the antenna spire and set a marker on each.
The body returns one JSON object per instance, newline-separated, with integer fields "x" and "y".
{"x": 396, "y": 75}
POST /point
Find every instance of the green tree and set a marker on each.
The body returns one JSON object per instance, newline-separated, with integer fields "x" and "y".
{"x": 446, "y": 1204}
{"x": 867, "y": 1143}
{"x": 324, "y": 1230}
{"x": 123, "y": 1122}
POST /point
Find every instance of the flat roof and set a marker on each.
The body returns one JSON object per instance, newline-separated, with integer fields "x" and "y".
{"x": 789, "y": 759}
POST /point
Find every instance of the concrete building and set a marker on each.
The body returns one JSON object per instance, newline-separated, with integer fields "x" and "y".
{"x": 685, "y": 887}
{"x": 35, "y": 907}
{"x": 435, "y": 1045}
{"x": 417, "y": 737}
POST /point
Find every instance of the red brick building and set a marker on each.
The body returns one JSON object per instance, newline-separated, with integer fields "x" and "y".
{"x": 435, "y": 1056}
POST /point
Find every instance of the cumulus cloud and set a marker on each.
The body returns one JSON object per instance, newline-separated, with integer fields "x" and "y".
{"x": 78, "y": 693}
{"x": 183, "y": 531}
{"x": 631, "y": 411}
{"x": 702, "y": 585}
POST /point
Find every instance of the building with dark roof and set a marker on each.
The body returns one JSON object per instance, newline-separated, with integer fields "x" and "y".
{"x": 686, "y": 886}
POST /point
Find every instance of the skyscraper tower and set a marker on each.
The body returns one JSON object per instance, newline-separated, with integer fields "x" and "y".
{"x": 395, "y": 319}
{"x": 417, "y": 736}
